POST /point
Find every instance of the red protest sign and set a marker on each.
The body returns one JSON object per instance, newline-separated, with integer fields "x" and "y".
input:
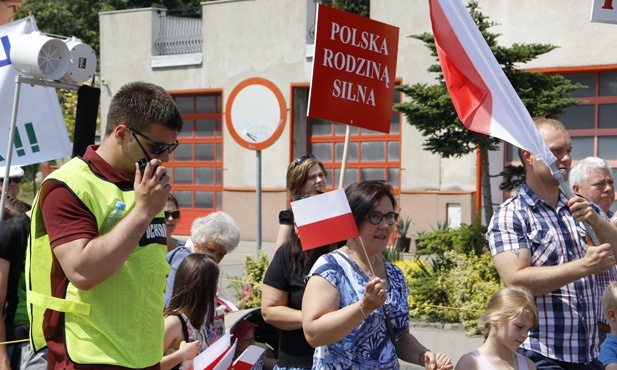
{"x": 354, "y": 68}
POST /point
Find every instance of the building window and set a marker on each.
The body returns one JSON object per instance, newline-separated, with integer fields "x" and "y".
{"x": 592, "y": 124}
{"x": 196, "y": 167}
{"x": 372, "y": 155}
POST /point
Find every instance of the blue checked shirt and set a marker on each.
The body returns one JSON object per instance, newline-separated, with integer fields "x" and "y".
{"x": 603, "y": 279}
{"x": 567, "y": 329}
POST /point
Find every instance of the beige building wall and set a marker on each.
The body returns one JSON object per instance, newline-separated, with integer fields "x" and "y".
{"x": 266, "y": 38}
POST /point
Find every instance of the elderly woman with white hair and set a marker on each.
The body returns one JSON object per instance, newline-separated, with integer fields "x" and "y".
{"x": 216, "y": 235}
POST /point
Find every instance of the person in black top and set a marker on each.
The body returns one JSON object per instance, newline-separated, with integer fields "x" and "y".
{"x": 281, "y": 298}
{"x": 304, "y": 174}
{"x": 14, "y": 234}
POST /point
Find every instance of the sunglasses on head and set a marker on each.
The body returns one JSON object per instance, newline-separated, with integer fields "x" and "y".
{"x": 299, "y": 160}
{"x": 375, "y": 217}
{"x": 173, "y": 214}
{"x": 157, "y": 148}
{"x": 16, "y": 180}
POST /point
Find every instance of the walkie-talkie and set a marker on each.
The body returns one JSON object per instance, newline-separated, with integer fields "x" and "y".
{"x": 143, "y": 162}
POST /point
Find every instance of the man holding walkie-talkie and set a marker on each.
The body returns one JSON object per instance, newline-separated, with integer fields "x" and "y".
{"x": 99, "y": 241}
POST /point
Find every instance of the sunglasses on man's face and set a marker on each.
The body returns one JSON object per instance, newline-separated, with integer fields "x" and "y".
{"x": 16, "y": 180}
{"x": 173, "y": 214}
{"x": 299, "y": 160}
{"x": 157, "y": 148}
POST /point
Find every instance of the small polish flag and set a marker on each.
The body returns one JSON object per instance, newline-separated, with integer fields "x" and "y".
{"x": 324, "y": 219}
{"x": 248, "y": 358}
{"x": 218, "y": 356}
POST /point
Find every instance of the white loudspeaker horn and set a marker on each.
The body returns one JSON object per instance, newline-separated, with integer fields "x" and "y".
{"x": 83, "y": 61}
{"x": 37, "y": 55}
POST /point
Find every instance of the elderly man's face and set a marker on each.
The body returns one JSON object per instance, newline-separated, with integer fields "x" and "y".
{"x": 599, "y": 188}
{"x": 212, "y": 249}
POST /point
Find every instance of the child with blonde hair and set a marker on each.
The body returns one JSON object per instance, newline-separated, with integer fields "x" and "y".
{"x": 510, "y": 314}
{"x": 608, "y": 348}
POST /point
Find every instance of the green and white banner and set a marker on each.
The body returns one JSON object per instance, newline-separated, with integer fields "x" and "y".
{"x": 40, "y": 133}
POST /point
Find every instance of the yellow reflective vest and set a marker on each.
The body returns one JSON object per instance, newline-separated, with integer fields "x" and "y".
{"x": 119, "y": 321}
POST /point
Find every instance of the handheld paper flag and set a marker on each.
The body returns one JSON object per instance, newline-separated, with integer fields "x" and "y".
{"x": 482, "y": 95}
{"x": 248, "y": 358}
{"x": 324, "y": 219}
{"x": 225, "y": 361}
{"x": 217, "y": 355}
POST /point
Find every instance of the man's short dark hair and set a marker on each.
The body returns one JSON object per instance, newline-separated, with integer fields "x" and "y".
{"x": 140, "y": 104}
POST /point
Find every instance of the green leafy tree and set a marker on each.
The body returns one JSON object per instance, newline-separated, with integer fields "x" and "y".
{"x": 360, "y": 7}
{"x": 431, "y": 112}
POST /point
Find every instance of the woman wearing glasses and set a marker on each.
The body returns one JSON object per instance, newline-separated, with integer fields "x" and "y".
{"x": 354, "y": 310}
{"x": 172, "y": 217}
{"x": 304, "y": 174}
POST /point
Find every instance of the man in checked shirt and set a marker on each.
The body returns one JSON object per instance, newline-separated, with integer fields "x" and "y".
{"x": 592, "y": 178}
{"x": 538, "y": 242}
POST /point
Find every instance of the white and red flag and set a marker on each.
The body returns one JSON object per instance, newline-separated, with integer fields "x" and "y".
{"x": 324, "y": 219}
{"x": 483, "y": 97}
{"x": 218, "y": 356}
{"x": 248, "y": 358}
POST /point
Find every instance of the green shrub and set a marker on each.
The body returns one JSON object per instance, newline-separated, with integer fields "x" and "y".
{"x": 248, "y": 292}
{"x": 470, "y": 239}
{"x": 435, "y": 242}
{"x": 427, "y": 293}
{"x": 451, "y": 285}
{"x": 408, "y": 267}
{"x": 469, "y": 285}
{"x": 467, "y": 239}
{"x": 391, "y": 254}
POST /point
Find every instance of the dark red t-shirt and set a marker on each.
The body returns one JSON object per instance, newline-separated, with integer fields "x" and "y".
{"x": 68, "y": 219}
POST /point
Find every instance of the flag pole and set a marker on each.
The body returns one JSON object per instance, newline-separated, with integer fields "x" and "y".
{"x": 370, "y": 266}
{"x": 558, "y": 174}
{"x": 9, "y": 150}
{"x": 341, "y": 181}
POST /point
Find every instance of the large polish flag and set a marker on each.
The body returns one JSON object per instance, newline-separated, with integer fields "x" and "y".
{"x": 483, "y": 97}
{"x": 324, "y": 219}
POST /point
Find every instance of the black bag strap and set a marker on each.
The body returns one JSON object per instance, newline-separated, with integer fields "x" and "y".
{"x": 185, "y": 329}
{"x": 170, "y": 257}
{"x": 353, "y": 265}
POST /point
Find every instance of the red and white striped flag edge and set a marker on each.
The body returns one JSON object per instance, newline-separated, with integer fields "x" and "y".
{"x": 216, "y": 356}
{"x": 248, "y": 358}
{"x": 483, "y": 97}
{"x": 324, "y": 219}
